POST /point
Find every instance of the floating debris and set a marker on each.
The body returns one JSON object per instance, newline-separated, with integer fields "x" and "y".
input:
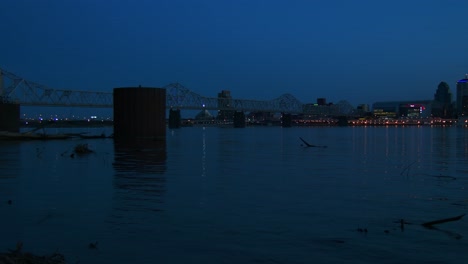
{"x": 83, "y": 149}
{"x": 362, "y": 230}
{"x": 440, "y": 221}
{"x": 306, "y": 144}
{"x": 93, "y": 245}
{"x": 445, "y": 177}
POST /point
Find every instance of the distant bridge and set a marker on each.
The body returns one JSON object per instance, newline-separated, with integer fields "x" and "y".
{"x": 16, "y": 89}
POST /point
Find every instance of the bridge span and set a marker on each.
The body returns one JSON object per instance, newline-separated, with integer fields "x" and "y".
{"x": 15, "y": 89}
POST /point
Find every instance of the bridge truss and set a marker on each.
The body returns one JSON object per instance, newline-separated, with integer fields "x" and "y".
{"x": 179, "y": 97}
{"x": 15, "y": 89}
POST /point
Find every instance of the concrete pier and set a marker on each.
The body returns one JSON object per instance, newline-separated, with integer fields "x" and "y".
{"x": 342, "y": 121}
{"x": 239, "y": 119}
{"x": 9, "y": 117}
{"x": 286, "y": 120}
{"x": 139, "y": 113}
{"x": 174, "y": 118}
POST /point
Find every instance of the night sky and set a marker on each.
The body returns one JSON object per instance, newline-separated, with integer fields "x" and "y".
{"x": 359, "y": 51}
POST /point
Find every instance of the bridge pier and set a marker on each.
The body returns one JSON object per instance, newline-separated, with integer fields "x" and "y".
{"x": 139, "y": 113}
{"x": 342, "y": 121}
{"x": 174, "y": 118}
{"x": 239, "y": 119}
{"x": 9, "y": 117}
{"x": 286, "y": 120}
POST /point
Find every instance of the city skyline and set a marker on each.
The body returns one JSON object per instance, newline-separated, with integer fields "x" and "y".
{"x": 106, "y": 113}
{"x": 361, "y": 51}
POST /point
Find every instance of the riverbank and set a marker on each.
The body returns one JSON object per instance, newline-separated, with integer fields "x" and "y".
{"x": 66, "y": 123}
{"x": 19, "y": 256}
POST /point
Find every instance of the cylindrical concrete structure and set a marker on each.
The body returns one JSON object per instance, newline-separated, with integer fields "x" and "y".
{"x": 174, "y": 118}
{"x": 139, "y": 113}
{"x": 9, "y": 117}
{"x": 342, "y": 121}
{"x": 286, "y": 120}
{"x": 239, "y": 119}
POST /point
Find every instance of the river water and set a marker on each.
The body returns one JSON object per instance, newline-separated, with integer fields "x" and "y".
{"x": 251, "y": 195}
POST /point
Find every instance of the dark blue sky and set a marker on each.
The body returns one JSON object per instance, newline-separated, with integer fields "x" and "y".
{"x": 360, "y": 51}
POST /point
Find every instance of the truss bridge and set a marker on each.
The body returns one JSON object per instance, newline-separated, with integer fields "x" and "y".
{"x": 15, "y": 89}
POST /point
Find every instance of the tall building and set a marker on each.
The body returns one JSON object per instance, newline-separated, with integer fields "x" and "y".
{"x": 321, "y": 101}
{"x": 225, "y": 104}
{"x": 462, "y": 96}
{"x": 363, "y": 108}
{"x": 442, "y": 105}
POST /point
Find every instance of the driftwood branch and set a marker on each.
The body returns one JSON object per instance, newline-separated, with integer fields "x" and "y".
{"x": 310, "y": 145}
{"x": 407, "y": 168}
{"x": 440, "y": 221}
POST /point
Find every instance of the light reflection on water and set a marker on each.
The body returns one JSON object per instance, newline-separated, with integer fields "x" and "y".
{"x": 139, "y": 180}
{"x": 252, "y": 195}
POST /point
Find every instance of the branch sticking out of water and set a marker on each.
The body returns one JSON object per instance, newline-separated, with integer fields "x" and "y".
{"x": 440, "y": 221}
{"x": 407, "y": 168}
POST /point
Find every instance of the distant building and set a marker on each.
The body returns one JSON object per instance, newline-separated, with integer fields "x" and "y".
{"x": 462, "y": 96}
{"x": 321, "y": 101}
{"x": 204, "y": 115}
{"x": 225, "y": 104}
{"x": 317, "y": 111}
{"x": 442, "y": 105}
{"x": 329, "y": 110}
{"x": 260, "y": 116}
{"x": 385, "y": 109}
{"x": 363, "y": 110}
{"x": 397, "y": 109}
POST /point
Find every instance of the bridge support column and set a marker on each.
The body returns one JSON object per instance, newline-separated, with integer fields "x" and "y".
{"x": 9, "y": 117}
{"x": 139, "y": 113}
{"x": 286, "y": 120}
{"x": 174, "y": 118}
{"x": 239, "y": 119}
{"x": 342, "y": 121}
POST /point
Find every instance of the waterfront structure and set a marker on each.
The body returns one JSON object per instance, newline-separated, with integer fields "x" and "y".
{"x": 204, "y": 115}
{"x": 462, "y": 96}
{"x": 342, "y": 108}
{"x": 225, "y": 102}
{"x": 362, "y": 109}
{"x": 442, "y": 105}
{"x": 397, "y": 109}
{"x": 316, "y": 110}
{"x": 139, "y": 113}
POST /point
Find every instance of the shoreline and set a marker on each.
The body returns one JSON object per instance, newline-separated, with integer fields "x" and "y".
{"x": 294, "y": 123}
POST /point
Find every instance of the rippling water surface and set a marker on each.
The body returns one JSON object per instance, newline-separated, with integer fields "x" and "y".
{"x": 252, "y": 195}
